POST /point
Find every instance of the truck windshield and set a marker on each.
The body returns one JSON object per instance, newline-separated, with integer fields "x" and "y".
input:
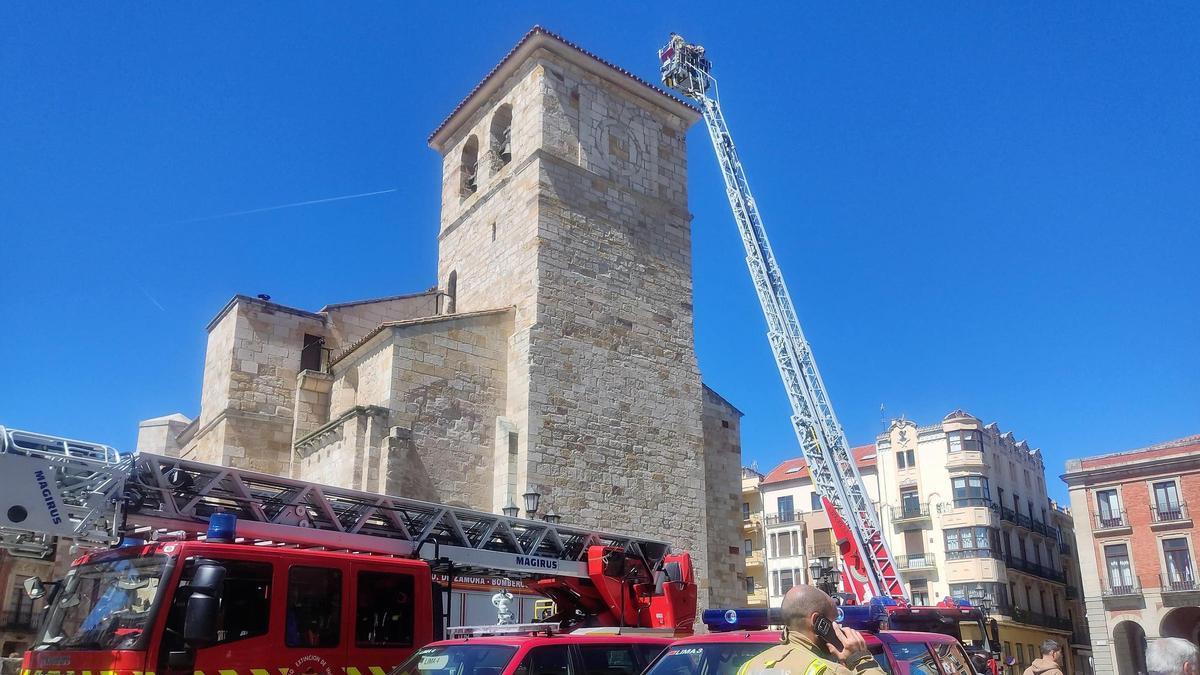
{"x": 105, "y": 605}
{"x": 457, "y": 660}
{"x": 712, "y": 658}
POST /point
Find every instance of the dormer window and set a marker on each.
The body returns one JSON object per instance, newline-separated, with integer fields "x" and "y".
{"x": 501, "y": 135}
{"x": 469, "y": 167}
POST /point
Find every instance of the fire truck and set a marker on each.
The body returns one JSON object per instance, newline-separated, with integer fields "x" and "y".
{"x": 868, "y": 567}
{"x": 218, "y": 571}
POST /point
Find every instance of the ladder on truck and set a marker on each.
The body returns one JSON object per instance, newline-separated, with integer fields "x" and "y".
{"x": 56, "y": 487}
{"x": 835, "y": 475}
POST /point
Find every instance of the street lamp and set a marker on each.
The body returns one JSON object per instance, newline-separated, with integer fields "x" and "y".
{"x": 531, "y": 503}
{"x": 552, "y": 517}
{"x": 510, "y": 509}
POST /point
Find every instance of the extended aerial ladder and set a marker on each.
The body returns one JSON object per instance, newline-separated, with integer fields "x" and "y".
{"x": 95, "y": 496}
{"x": 835, "y": 475}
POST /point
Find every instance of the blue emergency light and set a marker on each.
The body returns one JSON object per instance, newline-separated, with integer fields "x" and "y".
{"x": 222, "y": 527}
{"x": 869, "y": 617}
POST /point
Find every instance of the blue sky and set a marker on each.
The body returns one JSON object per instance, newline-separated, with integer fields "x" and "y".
{"x": 990, "y": 206}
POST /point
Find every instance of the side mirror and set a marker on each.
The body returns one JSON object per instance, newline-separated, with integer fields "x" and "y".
{"x": 203, "y": 606}
{"x": 34, "y": 588}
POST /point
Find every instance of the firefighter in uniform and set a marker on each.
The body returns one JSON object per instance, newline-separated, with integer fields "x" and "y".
{"x": 803, "y": 652}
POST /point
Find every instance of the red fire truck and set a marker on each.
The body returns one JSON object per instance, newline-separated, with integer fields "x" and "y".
{"x": 235, "y": 572}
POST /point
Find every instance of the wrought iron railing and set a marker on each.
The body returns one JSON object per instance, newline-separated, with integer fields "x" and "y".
{"x": 916, "y": 561}
{"x": 19, "y": 619}
{"x": 910, "y": 512}
{"x": 1178, "y": 585}
{"x": 1105, "y": 521}
{"x": 785, "y": 517}
{"x": 1168, "y": 513}
{"x": 1120, "y": 590}
{"x": 1015, "y": 563}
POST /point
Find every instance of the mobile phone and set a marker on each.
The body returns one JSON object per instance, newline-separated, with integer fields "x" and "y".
{"x": 824, "y": 628}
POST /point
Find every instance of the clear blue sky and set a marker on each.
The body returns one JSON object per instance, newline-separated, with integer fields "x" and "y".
{"x": 990, "y": 206}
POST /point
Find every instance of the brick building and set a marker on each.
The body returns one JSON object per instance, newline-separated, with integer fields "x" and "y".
{"x": 1136, "y": 538}
{"x": 554, "y": 355}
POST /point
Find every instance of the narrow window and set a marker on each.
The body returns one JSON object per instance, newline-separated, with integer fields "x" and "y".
{"x": 815, "y": 504}
{"x": 469, "y": 167}
{"x": 493, "y": 232}
{"x": 310, "y": 355}
{"x": 314, "y": 607}
{"x": 745, "y": 510}
{"x": 749, "y": 585}
{"x": 501, "y": 135}
{"x": 451, "y": 292}
{"x": 1179, "y": 564}
{"x": 1120, "y": 572}
{"x": 384, "y": 610}
{"x": 783, "y": 506}
{"x": 747, "y": 547}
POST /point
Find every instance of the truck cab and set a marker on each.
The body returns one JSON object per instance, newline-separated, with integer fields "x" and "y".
{"x": 192, "y": 607}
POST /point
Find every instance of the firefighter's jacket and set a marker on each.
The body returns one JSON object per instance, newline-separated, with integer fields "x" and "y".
{"x": 800, "y": 656}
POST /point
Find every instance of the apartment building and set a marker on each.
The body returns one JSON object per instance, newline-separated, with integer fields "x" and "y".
{"x": 1136, "y": 542}
{"x": 965, "y": 508}
{"x": 753, "y": 540}
{"x": 800, "y": 547}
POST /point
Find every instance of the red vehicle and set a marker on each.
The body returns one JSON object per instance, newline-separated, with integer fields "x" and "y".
{"x": 192, "y": 607}
{"x": 577, "y": 653}
{"x": 252, "y": 574}
{"x": 897, "y": 652}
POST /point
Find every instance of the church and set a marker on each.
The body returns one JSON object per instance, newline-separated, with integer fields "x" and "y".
{"x": 554, "y": 355}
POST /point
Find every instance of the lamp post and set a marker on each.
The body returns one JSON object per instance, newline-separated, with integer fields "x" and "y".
{"x": 552, "y": 517}
{"x": 531, "y": 503}
{"x": 824, "y": 574}
{"x": 510, "y": 509}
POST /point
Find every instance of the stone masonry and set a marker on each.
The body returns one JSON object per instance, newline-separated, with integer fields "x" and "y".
{"x": 556, "y": 353}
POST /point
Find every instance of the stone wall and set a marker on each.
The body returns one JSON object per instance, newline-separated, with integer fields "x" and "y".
{"x": 351, "y": 321}
{"x": 722, "y": 506}
{"x": 439, "y": 385}
{"x": 448, "y": 386}
{"x": 615, "y": 390}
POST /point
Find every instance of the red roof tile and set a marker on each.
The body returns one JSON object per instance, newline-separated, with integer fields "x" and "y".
{"x": 864, "y": 456}
{"x": 1180, "y": 446}
{"x": 538, "y": 30}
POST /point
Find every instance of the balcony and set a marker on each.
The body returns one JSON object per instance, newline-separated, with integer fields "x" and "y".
{"x": 822, "y": 551}
{"x": 1020, "y": 565}
{"x": 1082, "y": 637}
{"x": 783, "y": 518}
{"x": 1043, "y": 620}
{"x": 756, "y": 558}
{"x": 916, "y": 561}
{"x": 1072, "y": 592}
{"x": 1112, "y": 523}
{"x": 1164, "y": 515}
{"x": 1120, "y": 591}
{"x": 1188, "y": 585}
{"x": 1044, "y": 529}
{"x": 18, "y": 620}
{"x": 906, "y": 517}
{"x": 751, "y": 523}
{"x": 1064, "y": 548}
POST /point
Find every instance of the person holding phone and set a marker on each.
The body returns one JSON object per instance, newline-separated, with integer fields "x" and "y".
{"x": 813, "y": 642}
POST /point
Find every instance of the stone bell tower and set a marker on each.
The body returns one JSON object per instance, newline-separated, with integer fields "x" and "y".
{"x": 564, "y": 196}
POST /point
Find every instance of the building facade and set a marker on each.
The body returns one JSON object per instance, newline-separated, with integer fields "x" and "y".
{"x": 555, "y": 354}
{"x": 966, "y": 511}
{"x": 753, "y": 539}
{"x": 799, "y": 544}
{"x": 1136, "y": 541}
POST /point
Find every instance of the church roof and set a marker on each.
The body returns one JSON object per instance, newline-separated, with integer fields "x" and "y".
{"x": 536, "y": 37}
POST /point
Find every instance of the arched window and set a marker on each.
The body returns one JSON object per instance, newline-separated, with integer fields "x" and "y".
{"x": 501, "y": 135}
{"x": 469, "y": 167}
{"x": 451, "y": 291}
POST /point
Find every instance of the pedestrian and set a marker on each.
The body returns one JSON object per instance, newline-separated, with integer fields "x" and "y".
{"x": 1173, "y": 656}
{"x": 803, "y": 651}
{"x": 1051, "y": 661}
